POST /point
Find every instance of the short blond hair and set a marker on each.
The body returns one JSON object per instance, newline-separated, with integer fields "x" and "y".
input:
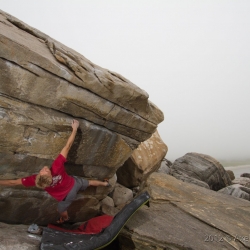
{"x": 43, "y": 181}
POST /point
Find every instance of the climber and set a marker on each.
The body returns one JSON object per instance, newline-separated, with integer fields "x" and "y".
{"x": 56, "y": 181}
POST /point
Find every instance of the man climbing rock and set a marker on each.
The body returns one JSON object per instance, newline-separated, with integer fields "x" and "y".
{"x": 56, "y": 181}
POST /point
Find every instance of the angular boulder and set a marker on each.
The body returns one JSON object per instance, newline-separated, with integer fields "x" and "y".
{"x": 44, "y": 85}
{"x": 121, "y": 195}
{"x": 202, "y": 170}
{"x": 144, "y": 160}
{"x": 185, "y": 216}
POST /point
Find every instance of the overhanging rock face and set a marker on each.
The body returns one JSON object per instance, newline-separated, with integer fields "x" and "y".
{"x": 44, "y": 85}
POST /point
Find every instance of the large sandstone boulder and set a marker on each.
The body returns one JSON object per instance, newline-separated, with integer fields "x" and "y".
{"x": 202, "y": 170}
{"x": 144, "y": 160}
{"x": 44, "y": 85}
{"x": 184, "y": 216}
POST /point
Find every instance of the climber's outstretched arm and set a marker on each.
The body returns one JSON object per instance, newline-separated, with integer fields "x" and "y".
{"x": 65, "y": 150}
{"x": 11, "y": 182}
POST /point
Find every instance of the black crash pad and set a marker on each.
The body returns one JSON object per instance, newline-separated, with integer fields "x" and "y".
{"x": 54, "y": 239}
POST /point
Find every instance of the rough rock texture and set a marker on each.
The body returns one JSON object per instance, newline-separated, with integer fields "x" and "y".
{"x": 165, "y": 166}
{"x": 17, "y": 237}
{"x": 244, "y": 181}
{"x": 43, "y": 86}
{"x": 185, "y": 216}
{"x": 108, "y": 201}
{"x": 121, "y": 195}
{"x": 144, "y": 160}
{"x": 108, "y": 206}
{"x": 245, "y": 175}
{"x": 109, "y": 210}
{"x": 202, "y": 170}
{"x": 231, "y": 174}
{"x": 237, "y": 190}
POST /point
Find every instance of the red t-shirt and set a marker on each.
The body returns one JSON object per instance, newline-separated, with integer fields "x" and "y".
{"x": 62, "y": 183}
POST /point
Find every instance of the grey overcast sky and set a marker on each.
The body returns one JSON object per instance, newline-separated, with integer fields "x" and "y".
{"x": 191, "y": 56}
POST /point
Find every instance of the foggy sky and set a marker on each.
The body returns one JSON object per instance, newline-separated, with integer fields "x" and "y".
{"x": 192, "y": 57}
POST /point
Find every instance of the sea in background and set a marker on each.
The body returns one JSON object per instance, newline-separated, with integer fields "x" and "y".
{"x": 238, "y": 170}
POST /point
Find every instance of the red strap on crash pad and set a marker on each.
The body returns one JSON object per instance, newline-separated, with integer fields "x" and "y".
{"x": 92, "y": 226}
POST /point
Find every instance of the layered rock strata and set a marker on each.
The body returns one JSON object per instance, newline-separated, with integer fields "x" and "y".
{"x": 43, "y": 86}
{"x": 185, "y": 216}
{"x": 202, "y": 170}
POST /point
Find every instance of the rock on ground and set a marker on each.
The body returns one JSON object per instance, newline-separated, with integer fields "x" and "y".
{"x": 245, "y": 175}
{"x": 144, "y": 160}
{"x": 17, "y": 237}
{"x": 185, "y": 216}
{"x": 244, "y": 181}
{"x": 237, "y": 190}
{"x": 202, "y": 170}
{"x": 231, "y": 174}
{"x": 165, "y": 166}
{"x": 121, "y": 195}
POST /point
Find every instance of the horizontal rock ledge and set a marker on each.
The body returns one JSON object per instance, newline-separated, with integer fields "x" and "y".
{"x": 37, "y": 57}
